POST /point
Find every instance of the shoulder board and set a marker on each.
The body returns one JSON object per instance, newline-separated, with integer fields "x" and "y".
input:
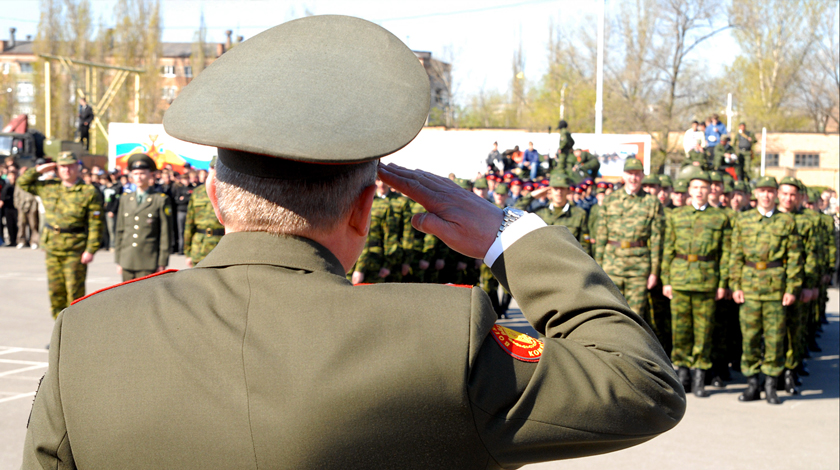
{"x": 123, "y": 283}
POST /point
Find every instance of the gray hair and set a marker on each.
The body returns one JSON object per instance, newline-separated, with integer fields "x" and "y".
{"x": 289, "y": 207}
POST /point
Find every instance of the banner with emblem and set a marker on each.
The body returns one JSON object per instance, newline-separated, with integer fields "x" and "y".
{"x": 127, "y": 139}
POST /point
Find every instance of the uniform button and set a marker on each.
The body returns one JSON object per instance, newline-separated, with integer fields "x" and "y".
{"x": 136, "y": 227}
{"x": 126, "y": 214}
{"x": 133, "y": 244}
{"x": 150, "y": 215}
{"x": 136, "y": 217}
{"x": 135, "y": 235}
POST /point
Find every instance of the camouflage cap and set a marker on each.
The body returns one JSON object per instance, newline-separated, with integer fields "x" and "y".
{"x": 739, "y": 186}
{"x": 600, "y": 189}
{"x": 727, "y": 187}
{"x": 651, "y": 180}
{"x": 480, "y": 183}
{"x": 715, "y": 177}
{"x": 141, "y": 161}
{"x": 464, "y": 183}
{"x": 633, "y": 164}
{"x": 559, "y": 180}
{"x": 501, "y": 189}
{"x": 681, "y": 186}
{"x": 343, "y": 90}
{"x": 66, "y": 158}
{"x": 789, "y": 180}
{"x": 665, "y": 181}
{"x": 700, "y": 175}
{"x": 767, "y": 182}
{"x": 727, "y": 178}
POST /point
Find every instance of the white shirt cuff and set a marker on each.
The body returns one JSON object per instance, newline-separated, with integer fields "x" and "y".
{"x": 523, "y": 226}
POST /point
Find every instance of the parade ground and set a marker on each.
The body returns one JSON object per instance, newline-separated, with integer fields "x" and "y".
{"x": 717, "y": 433}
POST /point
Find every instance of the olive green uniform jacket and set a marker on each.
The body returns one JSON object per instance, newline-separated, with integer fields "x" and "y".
{"x": 77, "y": 208}
{"x": 141, "y": 237}
{"x": 265, "y": 356}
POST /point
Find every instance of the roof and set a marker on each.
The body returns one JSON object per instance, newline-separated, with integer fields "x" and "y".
{"x": 184, "y": 49}
{"x": 21, "y": 47}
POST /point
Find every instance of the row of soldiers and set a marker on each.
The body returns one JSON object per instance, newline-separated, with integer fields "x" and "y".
{"x": 717, "y": 284}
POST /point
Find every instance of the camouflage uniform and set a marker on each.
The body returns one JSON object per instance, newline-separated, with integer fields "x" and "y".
{"x": 592, "y": 226}
{"x": 765, "y": 263}
{"x": 202, "y": 230}
{"x": 696, "y": 246}
{"x": 743, "y": 147}
{"x": 373, "y": 258}
{"x": 573, "y": 218}
{"x": 829, "y": 260}
{"x": 797, "y": 314}
{"x": 698, "y": 157}
{"x": 73, "y": 225}
{"x": 565, "y": 157}
{"x": 628, "y": 245}
{"x": 412, "y": 244}
{"x": 399, "y": 223}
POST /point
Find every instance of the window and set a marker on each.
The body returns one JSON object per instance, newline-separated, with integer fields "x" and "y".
{"x": 25, "y": 67}
{"x": 771, "y": 159}
{"x": 167, "y": 70}
{"x": 188, "y": 71}
{"x": 806, "y": 160}
{"x": 169, "y": 93}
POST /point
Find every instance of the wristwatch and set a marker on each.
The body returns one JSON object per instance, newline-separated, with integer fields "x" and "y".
{"x": 511, "y": 216}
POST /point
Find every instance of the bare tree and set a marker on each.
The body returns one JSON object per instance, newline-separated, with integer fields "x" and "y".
{"x": 819, "y": 85}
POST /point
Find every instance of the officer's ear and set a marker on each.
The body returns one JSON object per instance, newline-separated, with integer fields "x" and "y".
{"x": 210, "y": 187}
{"x": 359, "y": 219}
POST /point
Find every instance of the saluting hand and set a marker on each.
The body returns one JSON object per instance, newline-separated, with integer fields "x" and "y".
{"x": 45, "y": 167}
{"x": 464, "y": 221}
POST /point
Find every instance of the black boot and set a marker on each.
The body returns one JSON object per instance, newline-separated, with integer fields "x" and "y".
{"x": 790, "y": 382}
{"x": 752, "y": 392}
{"x": 717, "y": 376}
{"x": 697, "y": 383}
{"x": 770, "y": 391}
{"x": 813, "y": 346}
{"x": 803, "y": 369}
{"x": 685, "y": 378}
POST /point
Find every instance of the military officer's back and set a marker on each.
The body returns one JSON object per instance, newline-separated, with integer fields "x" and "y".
{"x": 265, "y": 356}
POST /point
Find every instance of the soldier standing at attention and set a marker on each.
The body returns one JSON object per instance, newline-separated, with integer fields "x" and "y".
{"x": 562, "y": 212}
{"x": 594, "y": 214}
{"x": 629, "y": 241}
{"x": 796, "y": 316}
{"x": 680, "y": 193}
{"x": 696, "y": 246}
{"x": 72, "y": 227}
{"x": 765, "y": 276}
{"x": 202, "y": 229}
{"x": 141, "y": 245}
{"x": 744, "y": 141}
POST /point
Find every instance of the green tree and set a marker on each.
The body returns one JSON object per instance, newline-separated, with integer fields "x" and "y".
{"x": 777, "y": 38}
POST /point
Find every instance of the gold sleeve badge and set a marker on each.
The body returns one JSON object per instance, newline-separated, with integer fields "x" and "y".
{"x": 518, "y": 345}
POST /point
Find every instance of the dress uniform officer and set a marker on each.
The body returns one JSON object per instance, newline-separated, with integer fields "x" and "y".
{"x": 202, "y": 229}
{"x": 141, "y": 236}
{"x": 213, "y": 367}
{"x": 72, "y": 227}
{"x": 697, "y": 238}
{"x": 629, "y": 241}
{"x": 765, "y": 276}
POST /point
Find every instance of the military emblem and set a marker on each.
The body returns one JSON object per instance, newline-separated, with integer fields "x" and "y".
{"x": 518, "y": 345}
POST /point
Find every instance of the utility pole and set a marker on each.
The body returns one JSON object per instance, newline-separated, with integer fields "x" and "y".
{"x": 599, "y": 87}
{"x": 729, "y": 113}
{"x": 563, "y": 101}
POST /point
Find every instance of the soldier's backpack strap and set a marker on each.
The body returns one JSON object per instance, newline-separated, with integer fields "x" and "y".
{"x": 124, "y": 283}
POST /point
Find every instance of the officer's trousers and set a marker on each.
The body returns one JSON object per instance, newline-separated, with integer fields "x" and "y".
{"x": 765, "y": 318}
{"x": 129, "y": 275}
{"x": 66, "y": 280}
{"x": 692, "y": 325}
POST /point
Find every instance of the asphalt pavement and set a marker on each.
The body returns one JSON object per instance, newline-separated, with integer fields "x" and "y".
{"x": 717, "y": 432}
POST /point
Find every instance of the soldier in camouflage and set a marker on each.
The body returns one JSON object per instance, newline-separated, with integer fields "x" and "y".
{"x": 796, "y": 315}
{"x": 594, "y": 214}
{"x": 765, "y": 276}
{"x": 72, "y": 229}
{"x": 382, "y": 250}
{"x": 565, "y": 159}
{"x": 629, "y": 242}
{"x": 202, "y": 229}
{"x": 561, "y": 212}
{"x": 696, "y": 245}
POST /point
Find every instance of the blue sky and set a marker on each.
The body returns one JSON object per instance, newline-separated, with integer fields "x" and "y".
{"x": 481, "y": 34}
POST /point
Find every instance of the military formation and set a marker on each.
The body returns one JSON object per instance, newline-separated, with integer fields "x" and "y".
{"x": 727, "y": 274}
{"x": 726, "y": 277}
